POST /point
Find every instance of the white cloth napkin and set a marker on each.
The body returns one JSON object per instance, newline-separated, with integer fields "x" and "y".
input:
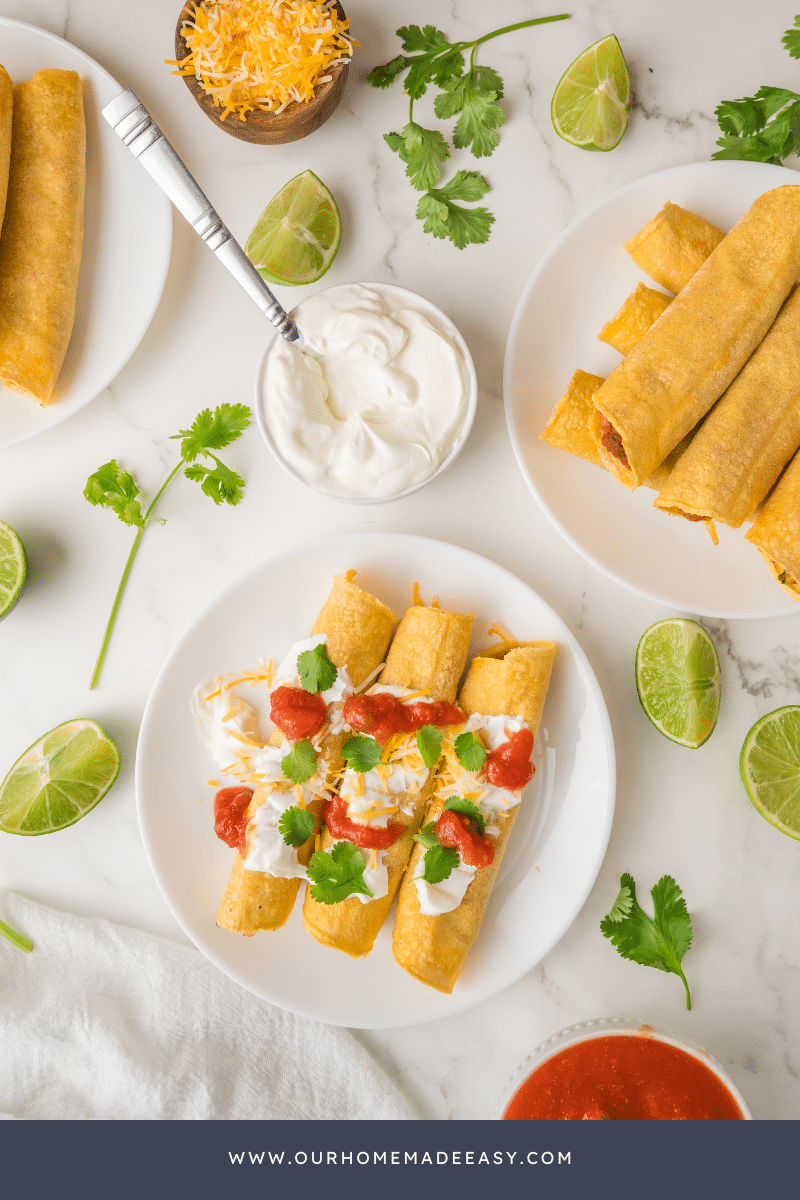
{"x": 105, "y": 1022}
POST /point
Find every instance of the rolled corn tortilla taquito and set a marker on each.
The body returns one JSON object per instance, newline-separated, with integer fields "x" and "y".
{"x": 634, "y": 317}
{"x": 672, "y": 246}
{"x": 748, "y": 437}
{"x": 684, "y": 363}
{"x": 6, "y": 107}
{"x": 437, "y": 923}
{"x": 776, "y": 530}
{"x": 425, "y": 661}
{"x": 42, "y": 233}
{"x": 357, "y": 629}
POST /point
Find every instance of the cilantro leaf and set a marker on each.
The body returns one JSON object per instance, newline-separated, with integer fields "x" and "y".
{"x": 469, "y": 752}
{"x": 113, "y": 488}
{"x": 658, "y": 941}
{"x": 445, "y": 219}
{"x": 317, "y": 672}
{"x": 296, "y": 825}
{"x": 473, "y": 96}
{"x": 460, "y": 804}
{"x": 213, "y": 431}
{"x": 362, "y": 753}
{"x": 760, "y": 128}
{"x": 791, "y": 39}
{"x": 300, "y": 763}
{"x": 429, "y": 744}
{"x": 219, "y": 482}
{"x": 385, "y": 75}
{"x": 422, "y": 150}
{"x": 337, "y": 875}
{"x": 426, "y": 836}
{"x": 438, "y": 863}
{"x": 426, "y": 39}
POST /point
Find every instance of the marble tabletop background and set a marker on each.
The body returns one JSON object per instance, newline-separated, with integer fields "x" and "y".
{"x": 677, "y": 811}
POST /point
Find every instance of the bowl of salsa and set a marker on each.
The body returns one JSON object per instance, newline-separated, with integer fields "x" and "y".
{"x": 615, "y": 1069}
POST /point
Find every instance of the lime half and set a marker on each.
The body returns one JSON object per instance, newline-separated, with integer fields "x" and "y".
{"x": 677, "y": 678}
{"x": 58, "y": 779}
{"x": 296, "y": 237}
{"x": 13, "y": 569}
{"x": 592, "y": 101}
{"x": 770, "y": 768}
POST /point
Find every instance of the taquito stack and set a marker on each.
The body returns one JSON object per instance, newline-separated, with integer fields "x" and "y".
{"x": 428, "y": 655}
{"x": 509, "y": 681}
{"x": 358, "y": 628}
{"x": 42, "y": 233}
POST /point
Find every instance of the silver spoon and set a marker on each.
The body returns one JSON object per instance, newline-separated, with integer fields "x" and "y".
{"x": 131, "y": 121}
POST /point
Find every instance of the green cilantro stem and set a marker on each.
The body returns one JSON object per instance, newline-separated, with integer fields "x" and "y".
{"x": 487, "y": 37}
{"x": 16, "y": 939}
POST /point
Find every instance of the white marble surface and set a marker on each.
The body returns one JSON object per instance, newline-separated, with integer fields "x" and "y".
{"x": 677, "y": 811}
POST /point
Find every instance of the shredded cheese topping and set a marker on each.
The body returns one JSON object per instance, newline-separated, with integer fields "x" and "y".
{"x": 263, "y": 54}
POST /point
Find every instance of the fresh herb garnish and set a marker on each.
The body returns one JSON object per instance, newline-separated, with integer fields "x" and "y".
{"x": 466, "y": 808}
{"x": 439, "y": 860}
{"x": 764, "y": 127}
{"x": 659, "y": 941}
{"x": 782, "y": 577}
{"x": 16, "y": 939}
{"x": 317, "y": 672}
{"x": 296, "y": 826}
{"x": 300, "y": 763}
{"x": 337, "y": 875}
{"x": 111, "y": 487}
{"x": 469, "y": 95}
{"x": 362, "y": 753}
{"x": 429, "y": 744}
{"x": 469, "y": 752}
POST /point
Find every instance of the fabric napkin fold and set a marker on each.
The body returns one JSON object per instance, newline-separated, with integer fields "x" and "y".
{"x": 105, "y": 1022}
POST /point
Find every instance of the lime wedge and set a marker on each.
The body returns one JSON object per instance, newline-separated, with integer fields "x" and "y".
{"x": 13, "y": 569}
{"x": 296, "y": 237}
{"x": 770, "y": 768}
{"x": 677, "y": 678}
{"x": 591, "y": 103}
{"x": 58, "y": 779}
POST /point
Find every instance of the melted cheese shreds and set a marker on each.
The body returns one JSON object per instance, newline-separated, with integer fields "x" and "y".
{"x": 262, "y": 54}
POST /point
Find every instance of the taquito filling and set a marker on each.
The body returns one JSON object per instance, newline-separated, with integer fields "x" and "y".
{"x": 612, "y": 441}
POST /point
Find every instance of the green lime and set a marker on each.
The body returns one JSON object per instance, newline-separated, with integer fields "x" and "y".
{"x": 677, "y": 678}
{"x": 770, "y": 768}
{"x": 296, "y": 237}
{"x": 58, "y": 779}
{"x": 591, "y": 103}
{"x": 13, "y": 569}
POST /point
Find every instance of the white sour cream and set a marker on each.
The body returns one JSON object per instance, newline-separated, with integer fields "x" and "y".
{"x": 372, "y": 404}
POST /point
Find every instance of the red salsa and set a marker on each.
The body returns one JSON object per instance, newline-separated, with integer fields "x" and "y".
{"x": 510, "y": 766}
{"x": 230, "y": 814}
{"x": 381, "y": 714}
{"x": 460, "y": 832}
{"x": 298, "y": 713}
{"x": 368, "y": 837}
{"x": 623, "y": 1077}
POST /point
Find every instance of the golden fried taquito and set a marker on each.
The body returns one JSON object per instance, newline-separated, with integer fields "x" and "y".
{"x": 776, "y": 530}
{"x": 673, "y": 246}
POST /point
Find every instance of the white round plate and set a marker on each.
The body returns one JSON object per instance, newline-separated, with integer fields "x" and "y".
{"x": 578, "y": 286}
{"x": 559, "y": 838}
{"x": 127, "y": 240}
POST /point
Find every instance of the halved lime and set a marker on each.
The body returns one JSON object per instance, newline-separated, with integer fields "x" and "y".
{"x": 58, "y": 779}
{"x": 296, "y": 237}
{"x": 592, "y": 101}
{"x": 13, "y": 569}
{"x": 770, "y": 768}
{"x": 677, "y": 678}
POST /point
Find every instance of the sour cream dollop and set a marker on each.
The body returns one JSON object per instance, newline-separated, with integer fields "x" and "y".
{"x": 375, "y": 400}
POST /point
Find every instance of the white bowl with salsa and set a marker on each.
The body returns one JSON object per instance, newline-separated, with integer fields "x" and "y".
{"x": 616, "y": 1069}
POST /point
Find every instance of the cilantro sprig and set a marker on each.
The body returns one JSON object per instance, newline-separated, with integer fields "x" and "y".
{"x": 296, "y": 825}
{"x": 362, "y": 753}
{"x": 764, "y": 127}
{"x": 658, "y": 941}
{"x": 466, "y": 808}
{"x": 300, "y": 763}
{"x": 112, "y": 487}
{"x": 469, "y": 93}
{"x": 429, "y": 744}
{"x": 317, "y": 672}
{"x": 439, "y": 861}
{"x": 469, "y": 752}
{"x": 337, "y": 875}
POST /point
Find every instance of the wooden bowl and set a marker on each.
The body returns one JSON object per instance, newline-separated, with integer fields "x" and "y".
{"x": 268, "y": 128}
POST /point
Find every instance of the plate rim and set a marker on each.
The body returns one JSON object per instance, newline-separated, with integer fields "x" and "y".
{"x": 593, "y": 689}
{"x": 513, "y": 336}
{"x": 140, "y": 328}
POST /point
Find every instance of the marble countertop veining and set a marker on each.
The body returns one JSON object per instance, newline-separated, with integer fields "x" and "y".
{"x": 678, "y": 811}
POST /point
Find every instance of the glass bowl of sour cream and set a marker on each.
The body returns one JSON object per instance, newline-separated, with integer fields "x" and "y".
{"x": 379, "y": 401}
{"x": 617, "y": 1069}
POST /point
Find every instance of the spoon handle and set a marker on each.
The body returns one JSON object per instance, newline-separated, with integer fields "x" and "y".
{"x": 132, "y": 122}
